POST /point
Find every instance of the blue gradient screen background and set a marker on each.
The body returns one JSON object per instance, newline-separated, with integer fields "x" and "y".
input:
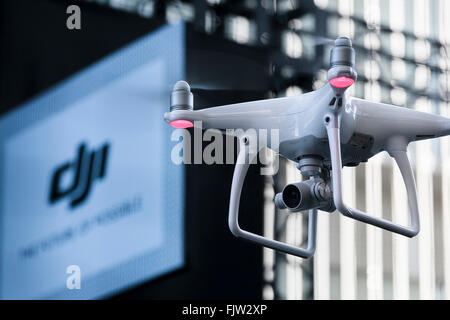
{"x": 130, "y": 226}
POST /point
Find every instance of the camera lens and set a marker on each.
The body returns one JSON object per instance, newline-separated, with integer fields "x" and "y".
{"x": 291, "y": 196}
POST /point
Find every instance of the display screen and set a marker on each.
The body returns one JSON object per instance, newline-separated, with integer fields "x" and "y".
{"x": 90, "y": 202}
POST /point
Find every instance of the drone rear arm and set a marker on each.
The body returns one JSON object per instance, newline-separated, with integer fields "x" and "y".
{"x": 397, "y": 150}
{"x": 240, "y": 172}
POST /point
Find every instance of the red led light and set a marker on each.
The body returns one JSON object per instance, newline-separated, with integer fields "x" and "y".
{"x": 181, "y": 124}
{"x": 342, "y": 82}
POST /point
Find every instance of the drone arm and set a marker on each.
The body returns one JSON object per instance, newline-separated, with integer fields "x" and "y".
{"x": 240, "y": 172}
{"x": 397, "y": 150}
{"x": 243, "y": 115}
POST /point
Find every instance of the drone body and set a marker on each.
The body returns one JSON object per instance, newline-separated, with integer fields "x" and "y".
{"x": 366, "y": 127}
{"x": 322, "y": 131}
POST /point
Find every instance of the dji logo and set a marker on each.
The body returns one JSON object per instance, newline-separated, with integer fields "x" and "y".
{"x": 86, "y": 168}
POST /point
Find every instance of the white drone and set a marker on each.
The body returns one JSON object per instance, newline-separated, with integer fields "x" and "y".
{"x": 322, "y": 131}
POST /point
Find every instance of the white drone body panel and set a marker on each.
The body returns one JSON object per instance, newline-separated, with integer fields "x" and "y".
{"x": 322, "y": 131}
{"x": 299, "y": 120}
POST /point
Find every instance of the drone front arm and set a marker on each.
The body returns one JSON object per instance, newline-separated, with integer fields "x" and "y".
{"x": 245, "y": 115}
{"x": 240, "y": 172}
{"x": 397, "y": 150}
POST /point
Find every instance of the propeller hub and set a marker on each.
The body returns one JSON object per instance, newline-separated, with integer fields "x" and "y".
{"x": 342, "y": 53}
{"x": 342, "y": 74}
{"x": 181, "y": 97}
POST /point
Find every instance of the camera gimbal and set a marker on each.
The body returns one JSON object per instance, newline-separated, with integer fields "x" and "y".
{"x": 321, "y": 131}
